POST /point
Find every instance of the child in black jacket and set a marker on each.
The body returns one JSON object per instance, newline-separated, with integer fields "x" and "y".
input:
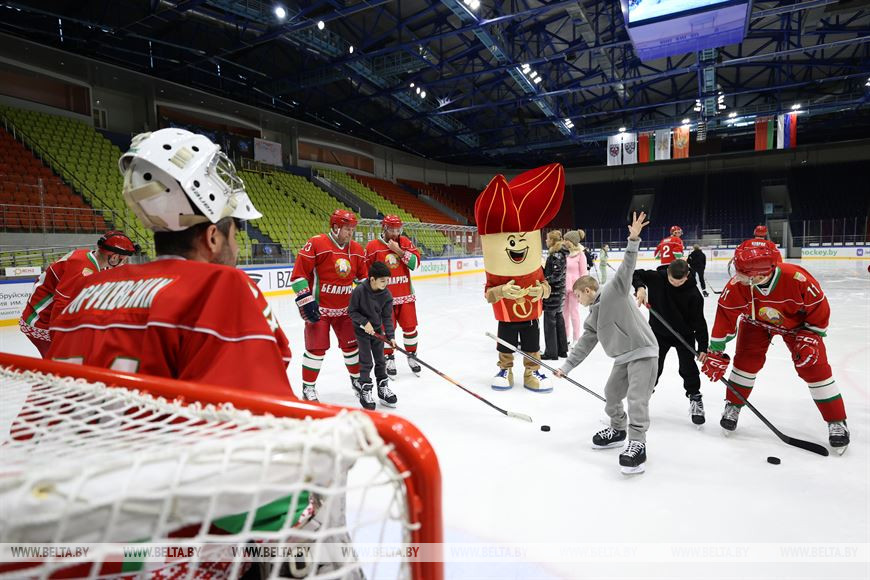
{"x": 555, "y": 335}
{"x": 371, "y": 308}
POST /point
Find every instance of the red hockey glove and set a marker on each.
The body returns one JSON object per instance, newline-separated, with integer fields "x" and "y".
{"x": 308, "y": 307}
{"x": 805, "y": 351}
{"x": 715, "y": 365}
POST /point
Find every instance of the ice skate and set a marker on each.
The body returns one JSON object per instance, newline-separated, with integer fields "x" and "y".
{"x": 608, "y": 438}
{"x": 309, "y": 393}
{"x": 705, "y": 293}
{"x": 729, "y": 417}
{"x": 838, "y": 436}
{"x": 503, "y": 380}
{"x": 364, "y": 393}
{"x": 386, "y": 396}
{"x": 696, "y": 409}
{"x": 633, "y": 459}
{"x": 415, "y": 366}
{"x": 391, "y": 366}
{"x": 537, "y": 381}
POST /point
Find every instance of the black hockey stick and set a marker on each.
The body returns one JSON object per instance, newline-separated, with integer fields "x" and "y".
{"x": 520, "y": 416}
{"x": 543, "y": 364}
{"x": 807, "y": 445}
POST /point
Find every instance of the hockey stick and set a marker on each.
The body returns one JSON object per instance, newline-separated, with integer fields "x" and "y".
{"x": 520, "y": 416}
{"x": 807, "y": 445}
{"x": 543, "y": 364}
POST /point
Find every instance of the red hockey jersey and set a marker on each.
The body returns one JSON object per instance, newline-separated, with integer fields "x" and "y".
{"x": 57, "y": 284}
{"x": 758, "y": 242}
{"x": 522, "y": 310}
{"x": 792, "y": 300}
{"x": 669, "y": 249}
{"x": 176, "y": 318}
{"x": 329, "y": 270}
{"x": 400, "y": 266}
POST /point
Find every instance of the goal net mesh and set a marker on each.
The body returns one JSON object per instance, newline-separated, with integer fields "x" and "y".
{"x": 81, "y": 462}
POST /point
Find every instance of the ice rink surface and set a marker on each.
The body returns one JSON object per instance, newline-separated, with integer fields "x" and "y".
{"x": 708, "y": 506}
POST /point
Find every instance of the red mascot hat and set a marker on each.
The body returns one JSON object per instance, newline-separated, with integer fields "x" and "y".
{"x": 525, "y": 204}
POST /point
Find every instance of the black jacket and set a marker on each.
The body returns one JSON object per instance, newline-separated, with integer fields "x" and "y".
{"x": 682, "y": 307}
{"x": 697, "y": 260}
{"x": 366, "y": 305}
{"x": 554, "y": 271}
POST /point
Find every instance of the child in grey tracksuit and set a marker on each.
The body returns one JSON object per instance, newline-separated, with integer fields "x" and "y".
{"x": 625, "y": 335}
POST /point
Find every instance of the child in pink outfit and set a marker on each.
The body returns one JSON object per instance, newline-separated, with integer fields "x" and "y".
{"x": 576, "y": 268}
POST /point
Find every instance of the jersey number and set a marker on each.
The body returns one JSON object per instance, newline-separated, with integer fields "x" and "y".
{"x": 666, "y": 251}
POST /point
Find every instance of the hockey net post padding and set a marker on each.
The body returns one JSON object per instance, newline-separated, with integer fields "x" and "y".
{"x": 100, "y": 457}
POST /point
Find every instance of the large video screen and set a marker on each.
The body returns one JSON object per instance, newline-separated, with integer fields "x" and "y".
{"x": 645, "y": 10}
{"x": 660, "y": 28}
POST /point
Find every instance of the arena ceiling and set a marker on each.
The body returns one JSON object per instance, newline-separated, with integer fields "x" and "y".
{"x": 359, "y": 73}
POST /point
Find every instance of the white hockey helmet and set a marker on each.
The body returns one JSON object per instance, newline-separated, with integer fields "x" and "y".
{"x": 174, "y": 179}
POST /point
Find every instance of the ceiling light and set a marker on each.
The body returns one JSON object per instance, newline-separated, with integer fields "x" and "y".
{"x": 423, "y": 95}
{"x": 686, "y": 121}
{"x": 321, "y": 25}
{"x": 418, "y": 90}
{"x": 796, "y": 106}
{"x": 537, "y": 80}
{"x": 732, "y": 114}
{"x": 280, "y": 12}
{"x": 475, "y": 4}
{"x": 411, "y": 85}
{"x": 526, "y": 67}
{"x": 350, "y": 49}
{"x": 622, "y": 129}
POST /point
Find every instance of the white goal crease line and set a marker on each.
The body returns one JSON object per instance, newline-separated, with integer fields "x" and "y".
{"x": 513, "y": 552}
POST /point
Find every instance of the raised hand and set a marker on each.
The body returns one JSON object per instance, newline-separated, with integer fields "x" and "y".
{"x": 638, "y": 222}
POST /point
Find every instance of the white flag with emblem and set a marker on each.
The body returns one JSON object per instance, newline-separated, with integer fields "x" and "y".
{"x": 629, "y": 148}
{"x": 614, "y": 150}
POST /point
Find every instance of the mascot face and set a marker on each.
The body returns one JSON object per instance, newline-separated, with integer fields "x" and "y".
{"x": 510, "y": 215}
{"x": 512, "y": 254}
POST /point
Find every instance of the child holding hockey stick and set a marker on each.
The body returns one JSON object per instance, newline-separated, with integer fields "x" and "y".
{"x": 615, "y": 321}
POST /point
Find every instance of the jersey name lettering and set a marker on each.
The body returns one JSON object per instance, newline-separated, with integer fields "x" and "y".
{"x": 117, "y": 295}
{"x": 335, "y": 289}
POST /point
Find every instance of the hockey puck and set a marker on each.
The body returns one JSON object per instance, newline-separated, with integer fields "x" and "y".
{"x": 545, "y": 427}
{"x": 773, "y": 460}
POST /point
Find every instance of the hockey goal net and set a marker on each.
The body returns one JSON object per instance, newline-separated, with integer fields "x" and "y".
{"x": 102, "y": 459}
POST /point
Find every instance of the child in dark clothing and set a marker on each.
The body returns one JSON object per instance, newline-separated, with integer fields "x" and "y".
{"x": 371, "y": 307}
{"x": 555, "y": 334}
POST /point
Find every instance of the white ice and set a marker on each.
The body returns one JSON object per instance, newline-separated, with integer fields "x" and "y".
{"x": 507, "y": 481}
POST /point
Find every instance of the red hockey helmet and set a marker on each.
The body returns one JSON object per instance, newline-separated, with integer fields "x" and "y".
{"x": 342, "y": 217}
{"x": 760, "y": 231}
{"x": 676, "y": 231}
{"x": 391, "y": 221}
{"x": 754, "y": 260}
{"x": 117, "y": 242}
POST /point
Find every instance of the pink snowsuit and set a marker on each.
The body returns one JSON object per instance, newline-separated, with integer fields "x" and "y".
{"x": 576, "y": 268}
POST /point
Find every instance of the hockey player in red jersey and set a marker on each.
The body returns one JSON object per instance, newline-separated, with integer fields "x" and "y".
{"x": 401, "y": 256}
{"x": 764, "y": 299}
{"x": 190, "y": 314}
{"x": 760, "y": 240}
{"x": 323, "y": 277}
{"x": 62, "y": 280}
{"x": 670, "y": 248}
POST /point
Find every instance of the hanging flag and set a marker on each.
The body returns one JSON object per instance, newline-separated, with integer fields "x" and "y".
{"x": 681, "y": 142}
{"x": 786, "y": 131}
{"x": 763, "y": 134}
{"x": 663, "y": 144}
{"x": 614, "y": 150}
{"x": 629, "y": 148}
{"x": 646, "y": 151}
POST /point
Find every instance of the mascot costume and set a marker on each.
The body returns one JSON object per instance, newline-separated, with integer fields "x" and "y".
{"x": 510, "y": 215}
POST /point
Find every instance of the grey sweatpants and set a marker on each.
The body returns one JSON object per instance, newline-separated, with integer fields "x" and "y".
{"x": 635, "y": 381}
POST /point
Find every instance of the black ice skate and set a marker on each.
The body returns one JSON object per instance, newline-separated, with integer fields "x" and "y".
{"x": 696, "y": 409}
{"x": 705, "y": 293}
{"x": 391, "y": 366}
{"x": 364, "y": 393}
{"x": 386, "y": 396}
{"x": 607, "y": 438}
{"x": 838, "y": 436}
{"x": 633, "y": 459}
{"x": 729, "y": 417}
{"x": 415, "y": 366}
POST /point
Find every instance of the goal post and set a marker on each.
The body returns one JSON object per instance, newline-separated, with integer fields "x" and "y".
{"x": 94, "y": 455}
